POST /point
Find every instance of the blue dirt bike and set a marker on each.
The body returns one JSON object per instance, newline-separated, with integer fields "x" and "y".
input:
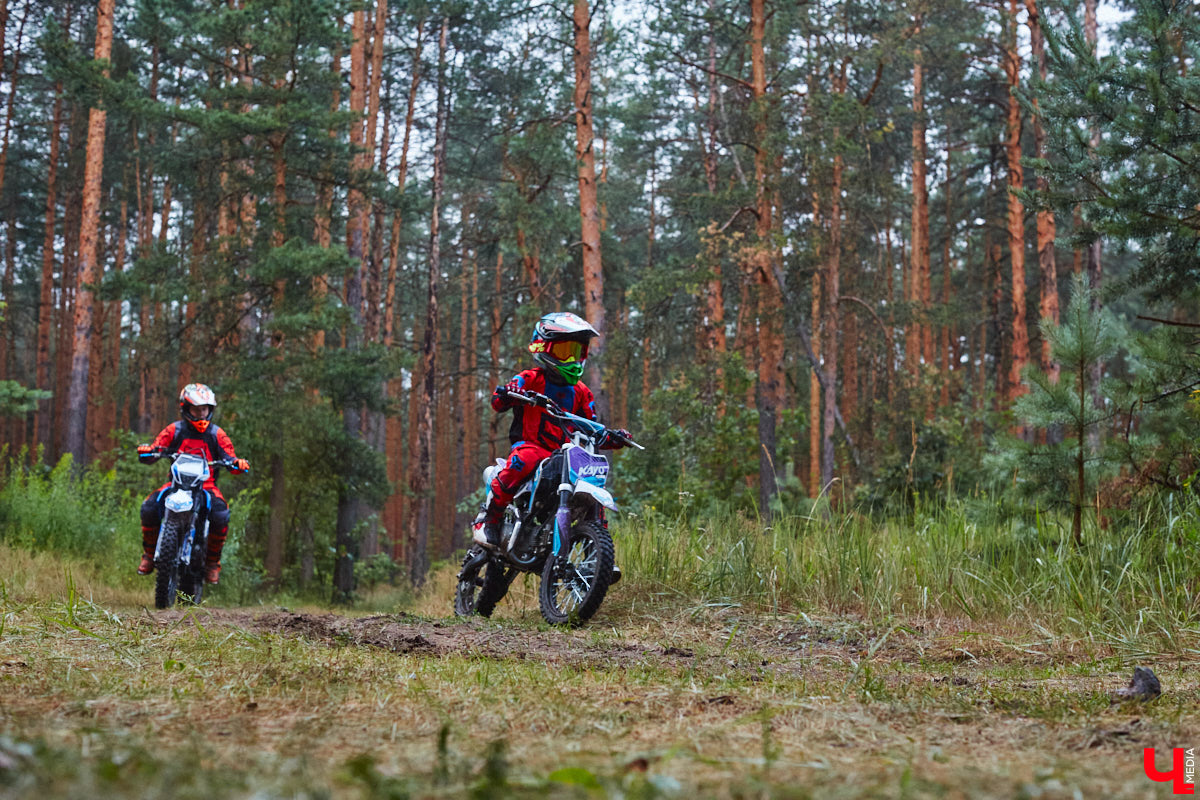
{"x": 182, "y": 549}
{"x": 554, "y": 526}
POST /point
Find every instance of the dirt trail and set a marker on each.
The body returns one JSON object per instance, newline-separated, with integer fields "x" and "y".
{"x": 406, "y": 634}
{"x": 748, "y": 645}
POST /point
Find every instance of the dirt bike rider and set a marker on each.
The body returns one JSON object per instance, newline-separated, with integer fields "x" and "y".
{"x": 559, "y": 346}
{"x": 193, "y": 433}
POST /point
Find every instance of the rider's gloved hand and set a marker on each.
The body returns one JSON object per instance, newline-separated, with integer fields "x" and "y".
{"x": 615, "y": 439}
{"x": 500, "y": 401}
{"x": 147, "y": 452}
{"x": 241, "y": 465}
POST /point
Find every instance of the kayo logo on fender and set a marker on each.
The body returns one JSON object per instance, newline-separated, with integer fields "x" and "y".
{"x": 1183, "y": 769}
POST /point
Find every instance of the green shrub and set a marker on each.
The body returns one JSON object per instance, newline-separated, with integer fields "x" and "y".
{"x": 91, "y": 516}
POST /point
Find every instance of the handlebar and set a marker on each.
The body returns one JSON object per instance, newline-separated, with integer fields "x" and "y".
{"x": 228, "y": 463}
{"x": 555, "y": 410}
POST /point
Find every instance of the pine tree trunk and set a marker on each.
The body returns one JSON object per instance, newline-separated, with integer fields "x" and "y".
{"x": 42, "y": 419}
{"x": 589, "y": 212}
{"x": 769, "y": 395}
{"x": 946, "y": 363}
{"x": 89, "y": 268}
{"x": 647, "y": 350}
{"x": 371, "y": 327}
{"x": 7, "y": 330}
{"x": 848, "y": 319}
{"x": 918, "y": 346}
{"x": 647, "y": 340}
{"x": 93, "y": 435}
{"x": 713, "y": 323}
{"x": 1095, "y": 272}
{"x": 458, "y": 471}
{"x": 394, "y": 510}
{"x": 531, "y": 265}
{"x": 65, "y": 318}
{"x": 350, "y": 509}
{"x": 14, "y": 431}
{"x": 147, "y": 370}
{"x": 445, "y": 456}
{"x": 278, "y": 506}
{"x": 12, "y": 84}
{"x": 323, "y": 214}
{"x": 373, "y": 421}
{"x": 814, "y": 394}
{"x": 113, "y": 358}
{"x": 1094, "y": 269}
{"x": 1016, "y": 211}
{"x": 832, "y": 292}
{"x": 421, "y": 477}
{"x": 494, "y": 441}
{"x": 890, "y": 293}
{"x": 471, "y": 413}
{"x": 408, "y": 508}
{"x": 1046, "y": 230}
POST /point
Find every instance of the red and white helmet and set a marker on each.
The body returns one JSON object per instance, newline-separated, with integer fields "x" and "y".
{"x": 560, "y": 343}
{"x": 197, "y": 404}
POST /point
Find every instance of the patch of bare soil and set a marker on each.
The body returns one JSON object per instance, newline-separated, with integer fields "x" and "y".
{"x": 405, "y": 634}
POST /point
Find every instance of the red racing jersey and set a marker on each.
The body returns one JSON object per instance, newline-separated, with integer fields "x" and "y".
{"x": 214, "y": 445}
{"x": 531, "y": 423}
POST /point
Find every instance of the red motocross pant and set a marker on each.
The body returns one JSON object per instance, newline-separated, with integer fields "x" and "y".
{"x": 522, "y": 462}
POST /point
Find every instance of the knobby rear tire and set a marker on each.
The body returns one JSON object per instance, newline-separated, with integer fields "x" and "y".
{"x": 574, "y": 599}
{"x": 166, "y": 565}
{"x": 481, "y": 598}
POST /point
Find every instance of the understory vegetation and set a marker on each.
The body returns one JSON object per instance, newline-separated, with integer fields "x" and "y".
{"x": 828, "y": 653}
{"x": 1130, "y": 581}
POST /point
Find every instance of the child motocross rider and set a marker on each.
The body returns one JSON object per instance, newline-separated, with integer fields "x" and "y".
{"x": 560, "y": 346}
{"x": 193, "y": 433}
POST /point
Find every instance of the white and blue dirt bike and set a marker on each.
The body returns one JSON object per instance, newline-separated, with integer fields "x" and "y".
{"x": 554, "y": 526}
{"x": 182, "y": 550}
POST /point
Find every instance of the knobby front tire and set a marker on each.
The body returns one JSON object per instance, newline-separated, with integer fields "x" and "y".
{"x": 166, "y": 566}
{"x": 573, "y": 595}
{"x": 192, "y": 585}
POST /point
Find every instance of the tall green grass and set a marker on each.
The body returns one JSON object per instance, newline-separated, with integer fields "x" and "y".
{"x": 1132, "y": 585}
{"x": 95, "y": 517}
{"x": 90, "y": 517}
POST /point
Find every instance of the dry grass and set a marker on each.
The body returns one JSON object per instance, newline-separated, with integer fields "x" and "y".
{"x": 688, "y": 701}
{"x": 39, "y": 574}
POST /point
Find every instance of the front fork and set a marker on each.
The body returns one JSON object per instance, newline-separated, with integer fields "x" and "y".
{"x": 562, "y": 517}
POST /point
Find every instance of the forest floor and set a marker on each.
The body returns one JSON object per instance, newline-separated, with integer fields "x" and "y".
{"x": 655, "y": 698}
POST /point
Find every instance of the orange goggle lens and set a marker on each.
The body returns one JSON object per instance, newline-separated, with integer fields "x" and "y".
{"x": 567, "y": 351}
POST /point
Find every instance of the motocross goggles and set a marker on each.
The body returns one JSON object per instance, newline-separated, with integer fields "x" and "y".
{"x": 567, "y": 351}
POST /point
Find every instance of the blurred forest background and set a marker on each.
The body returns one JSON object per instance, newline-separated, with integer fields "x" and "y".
{"x": 847, "y": 257}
